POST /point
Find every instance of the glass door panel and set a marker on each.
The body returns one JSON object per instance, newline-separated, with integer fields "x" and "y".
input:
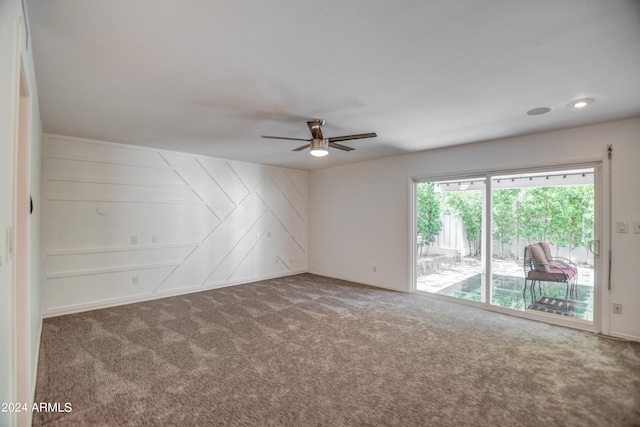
{"x": 556, "y": 208}
{"x": 450, "y": 217}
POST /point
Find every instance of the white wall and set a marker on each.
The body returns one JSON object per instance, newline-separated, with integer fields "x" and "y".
{"x": 197, "y": 222}
{"x": 359, "y": 213}
{"x": 13, "y": 46}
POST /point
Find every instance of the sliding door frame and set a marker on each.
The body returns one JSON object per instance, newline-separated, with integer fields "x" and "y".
{"x": 599, "y": 294}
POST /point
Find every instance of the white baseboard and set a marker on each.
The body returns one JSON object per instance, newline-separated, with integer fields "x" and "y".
{"x": 623, "y": 336}
{"x": 362, "y": 282}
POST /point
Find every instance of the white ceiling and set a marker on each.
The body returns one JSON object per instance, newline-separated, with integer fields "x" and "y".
{"x": 210, "y": 76}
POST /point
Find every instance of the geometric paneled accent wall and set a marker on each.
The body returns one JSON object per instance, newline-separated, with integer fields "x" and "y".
{"x": 124, "y": 223}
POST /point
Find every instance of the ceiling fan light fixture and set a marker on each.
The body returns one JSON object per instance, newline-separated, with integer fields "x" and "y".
{"x": 319, "y": 147}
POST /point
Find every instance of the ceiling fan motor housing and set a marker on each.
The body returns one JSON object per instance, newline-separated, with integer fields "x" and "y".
{"x": 319, "y": 147}
{"x": 319, "y": 144}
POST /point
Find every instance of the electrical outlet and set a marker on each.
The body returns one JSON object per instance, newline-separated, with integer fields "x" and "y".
{"x": 621, "y": 226}
{"x": 617, "y": 308}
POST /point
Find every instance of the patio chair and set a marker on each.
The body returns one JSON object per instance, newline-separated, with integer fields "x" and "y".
{"x": 538, "y": 267}
{"x": 562, "y": 263}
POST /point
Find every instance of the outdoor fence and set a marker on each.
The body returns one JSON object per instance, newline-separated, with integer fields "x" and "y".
{"x": 452, "y": 241}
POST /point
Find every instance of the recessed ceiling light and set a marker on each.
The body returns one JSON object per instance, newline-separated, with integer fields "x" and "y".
{"x": 538, "y": 111}
{"x": 580, "y": 103}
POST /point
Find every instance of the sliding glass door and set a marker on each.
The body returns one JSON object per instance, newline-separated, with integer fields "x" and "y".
{"x": 450, "y": 217}
{"x": 474, "y": 236}
{"x": 555, "y": 208}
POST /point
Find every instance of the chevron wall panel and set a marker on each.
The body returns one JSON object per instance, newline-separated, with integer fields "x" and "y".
{"x": 125, "y": 224}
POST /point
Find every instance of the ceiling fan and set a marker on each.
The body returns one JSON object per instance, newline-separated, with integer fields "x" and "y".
{"x": 319, "y": 144}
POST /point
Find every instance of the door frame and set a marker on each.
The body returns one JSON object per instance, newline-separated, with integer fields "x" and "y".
{"x": 20, "y": 263}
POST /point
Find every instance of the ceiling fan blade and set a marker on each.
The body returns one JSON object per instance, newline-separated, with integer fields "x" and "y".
{"x": 340, "y": 146}
{"x": 284, "y": 137}
{"x": 349, "y": 137}
{"x": 301, "y": 148}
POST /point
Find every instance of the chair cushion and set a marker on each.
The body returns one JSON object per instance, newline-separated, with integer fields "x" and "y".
{"x": 555, "y": 274}
{"x": 547, "y": 251}
{"x": 538, "y": 259}
{"x": 564, "y": 266}
{"x": 563, "y": 261}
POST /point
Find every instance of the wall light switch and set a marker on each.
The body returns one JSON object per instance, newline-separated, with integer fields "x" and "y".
{"x": 621, "y": 226}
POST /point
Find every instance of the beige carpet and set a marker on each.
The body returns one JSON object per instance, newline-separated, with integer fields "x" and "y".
{"x": 307, "y": 350}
